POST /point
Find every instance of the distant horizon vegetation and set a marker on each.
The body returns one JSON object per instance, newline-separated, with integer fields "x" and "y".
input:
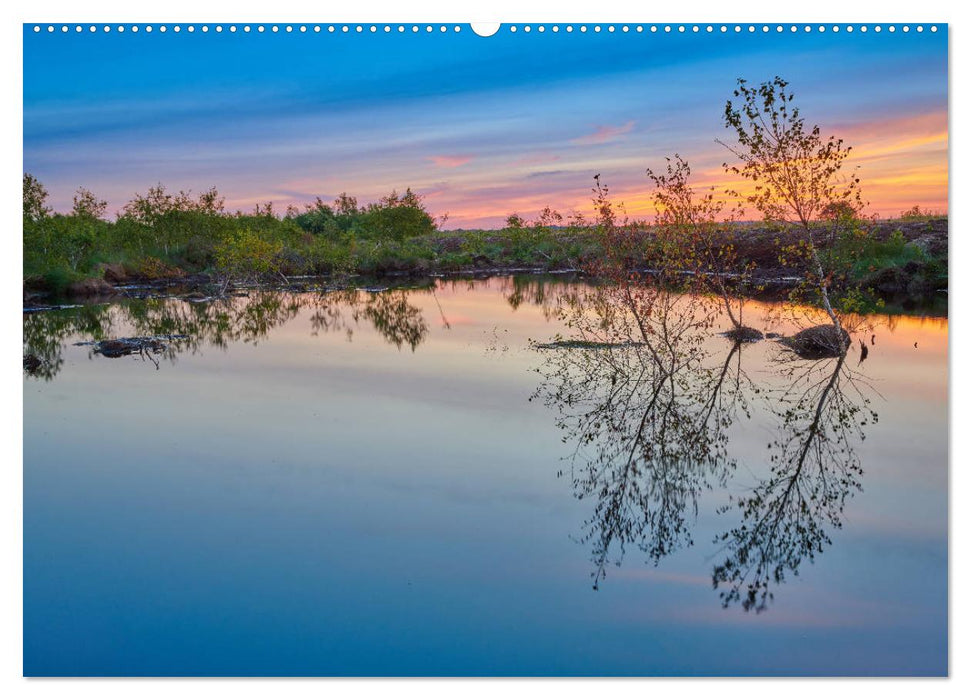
{"x": 87, "y": 202}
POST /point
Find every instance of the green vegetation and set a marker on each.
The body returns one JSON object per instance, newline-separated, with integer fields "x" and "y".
{"x": 915, "y": 213}
{"x": 864, "y": 254}
{"x": 162, "y": 235}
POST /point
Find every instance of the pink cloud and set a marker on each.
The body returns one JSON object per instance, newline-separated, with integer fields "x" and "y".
{"x": 449, "y": 161}
{"x": 602, "y": 134}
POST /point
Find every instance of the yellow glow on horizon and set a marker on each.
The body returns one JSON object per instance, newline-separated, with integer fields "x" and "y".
{"x": 901, "y": 162}
{"x": 897, "y": 169}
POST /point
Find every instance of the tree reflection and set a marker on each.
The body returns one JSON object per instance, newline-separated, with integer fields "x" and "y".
{"x": 785, "y": 519}
{"x": 45, "y": 333}
{"x": 648, "y": 402}
{"x": 647, "y": 411}
{"x": 190, "y": 325}
{"x": 389, "y": 312}
{"x": 537, "y": 290}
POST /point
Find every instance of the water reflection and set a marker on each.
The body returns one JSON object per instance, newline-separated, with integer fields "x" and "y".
{"x": 389, "y": 312}
{"x": 547, "y": 294}
{"x": 821, "y": 410}
{"x": 647, "y": 396}
{"x": 192, "y": 324}
{"x": 647, "y": 414}
{"x": 45, "y": 332}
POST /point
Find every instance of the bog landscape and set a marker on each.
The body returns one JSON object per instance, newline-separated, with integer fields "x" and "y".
{"x": 691, "y": 423}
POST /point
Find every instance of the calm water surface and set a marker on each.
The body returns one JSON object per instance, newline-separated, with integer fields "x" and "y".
{"x": 401, "y": 483}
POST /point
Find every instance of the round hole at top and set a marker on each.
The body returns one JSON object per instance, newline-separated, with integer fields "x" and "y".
{"x": 485, "y": 28}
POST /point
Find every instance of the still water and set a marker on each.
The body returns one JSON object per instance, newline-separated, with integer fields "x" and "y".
{"x": 430, "y": 481}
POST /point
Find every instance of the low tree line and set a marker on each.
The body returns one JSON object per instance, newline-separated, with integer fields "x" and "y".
{"x": 163, "y": 229}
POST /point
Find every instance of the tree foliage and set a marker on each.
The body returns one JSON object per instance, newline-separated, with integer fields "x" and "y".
{"x": 704, "y": 227}
{"x": 35, "y": 199}
{"x": 87, "y": 205}
{"x": 797, "y": 174}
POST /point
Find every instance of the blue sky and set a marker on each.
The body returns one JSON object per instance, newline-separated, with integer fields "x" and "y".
{"x": 481, "y": 126}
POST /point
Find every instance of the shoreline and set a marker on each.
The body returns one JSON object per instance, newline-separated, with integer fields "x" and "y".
{"x": 906, "y": 261}
{"x": 196, "y": 287}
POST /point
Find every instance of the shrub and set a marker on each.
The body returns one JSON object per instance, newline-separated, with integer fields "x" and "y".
{"x": 35, "y": 199}
{"x": 915, "y": 213}
{"x": 397, "y": 217}
{"x": 62, "y": 241}
{"x": 153, "y": 268}
{"x": 326, "y": 256}
{"x": 245, "y": 255}
{"x": 318, "y": 219}
{"x": 169, "y": 220}
{"x": 87, "y": 205}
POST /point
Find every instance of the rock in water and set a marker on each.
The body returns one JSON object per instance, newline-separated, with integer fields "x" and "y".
{"x": 817, "y": 342}
{"x": 744, "y": 334}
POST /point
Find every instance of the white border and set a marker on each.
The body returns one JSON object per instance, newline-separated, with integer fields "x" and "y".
{"x": 441, "y": 11}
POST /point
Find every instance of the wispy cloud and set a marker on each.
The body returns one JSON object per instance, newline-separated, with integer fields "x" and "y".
{"x": 450, "y": 161}
{"x": 603, "y": 134}
{"x": 456, "y": 138}
{"x": 536, "y": 159}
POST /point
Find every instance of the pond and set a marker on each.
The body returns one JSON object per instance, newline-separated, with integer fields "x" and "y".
{"x": 463, "y": 478}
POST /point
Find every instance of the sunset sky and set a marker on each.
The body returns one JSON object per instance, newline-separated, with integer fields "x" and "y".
{"x": 481, "y": 126}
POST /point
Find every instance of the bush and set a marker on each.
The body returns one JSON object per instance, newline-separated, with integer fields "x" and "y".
{"x": 245, "y": 255}
{"x": 318, "y": 219}
{"x": 397, "y": 217}
{"x": 915, "y": 213}
{"x": 329, "y": 257}
{"x": 68, "y": 242}
{"x": 858, "y": 256}
{"x": 153, "y": 268}
{"x": 58, "y": 279}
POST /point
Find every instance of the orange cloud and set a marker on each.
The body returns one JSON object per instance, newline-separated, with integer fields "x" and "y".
{"x": 602, "y": 134}
{"x": 901, "y": 161}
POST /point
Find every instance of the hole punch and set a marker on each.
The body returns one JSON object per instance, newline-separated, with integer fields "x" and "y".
{"x": 487, "y": 29}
